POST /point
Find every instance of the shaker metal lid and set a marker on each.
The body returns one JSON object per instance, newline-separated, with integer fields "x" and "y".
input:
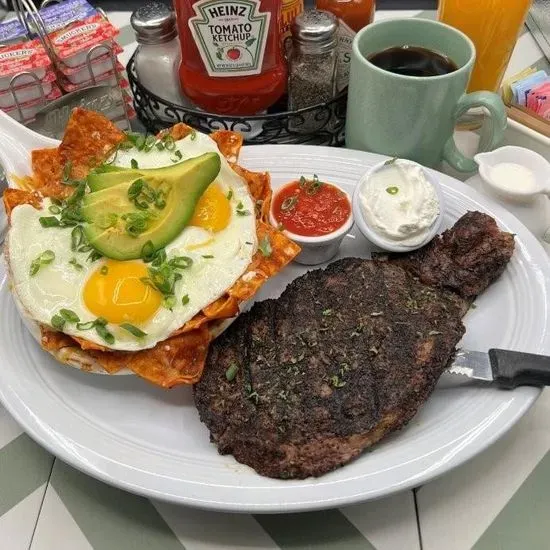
{"x": 314, "y": 27}
{"x": 154, "y": 23}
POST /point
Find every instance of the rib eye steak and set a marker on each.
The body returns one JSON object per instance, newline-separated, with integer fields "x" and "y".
{"x": 301, "y": 385}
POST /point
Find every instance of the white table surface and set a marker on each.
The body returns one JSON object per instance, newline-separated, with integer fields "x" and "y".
{"x": 499, "y": 500}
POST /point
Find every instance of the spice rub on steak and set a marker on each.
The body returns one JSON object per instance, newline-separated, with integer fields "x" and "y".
{"x": 301, "y": 385}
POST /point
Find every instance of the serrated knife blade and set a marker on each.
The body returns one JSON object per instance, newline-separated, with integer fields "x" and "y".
{"x": 473, "y": 364}
{"x": 507, "y": 369}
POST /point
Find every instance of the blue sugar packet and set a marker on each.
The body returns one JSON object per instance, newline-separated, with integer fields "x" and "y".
{"x": 11, "y": 31}
{"x": 521, "y": 88}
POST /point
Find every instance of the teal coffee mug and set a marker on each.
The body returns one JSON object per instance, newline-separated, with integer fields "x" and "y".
{"x": 414, "y": 117}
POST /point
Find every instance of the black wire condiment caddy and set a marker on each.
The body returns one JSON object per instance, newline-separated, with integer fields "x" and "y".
{"x": 321, "y": 124}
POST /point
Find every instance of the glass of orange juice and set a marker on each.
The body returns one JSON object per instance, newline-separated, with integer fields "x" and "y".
{"x": 493, "y": 26}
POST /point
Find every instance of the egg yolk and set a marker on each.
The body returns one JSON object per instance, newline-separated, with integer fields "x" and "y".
{"x": 213, "y": 210}
{"x": 115, "y": 291}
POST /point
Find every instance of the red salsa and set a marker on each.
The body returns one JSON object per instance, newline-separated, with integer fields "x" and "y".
{"x": 311, "y": 208}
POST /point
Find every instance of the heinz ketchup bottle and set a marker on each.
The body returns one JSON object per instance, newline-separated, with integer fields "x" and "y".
{"x": 232, "y": 61}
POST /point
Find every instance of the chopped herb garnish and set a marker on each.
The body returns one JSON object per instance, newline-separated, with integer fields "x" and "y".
{"x": 133, "y": 330}
{"x": 49, "y": 221}
{"x": 75, "y": 264}
{"x": 47, "y": 257}
{"x": 137, "y": 222}
{"x": 107, "y": 220}
{"x": 182, "y": 262}
{"x": 313, "y": 185}
{"x": 148, "y": 252}
{"x": 265, "y": 246}
{"x": 66, "y": 174}
{"x": 248, "y": 242}
{"x": 159, "y": 145}
{"x": 150, "y": 142}
{"x": 169, "y": 302}
{"x": 243, "y": 212}
{"x": 54, "y": 209}
{"x": 104, "y": 270}
{"x": 69, "y": 316}
{"x": 303, "y": 181}
{"x": 177, "y": 156}
{"x": 103, "y": 332}
{"x": 390, "y": 161}
{"x": 392, "y": 190}
{"x": 77, "y": 237}
{"x": 193, "y": 135}
{"x": 327, "y": 312}
{"x": 289, "y": 203}
{"x": 185, "y": 299}
{"x": 85, "y": 326}
{"x": 58, "y": 322}
{"x": 231, "y": 372}
{"x": 169, "y": 142}
{"x": 207, "y": 256}
{"x": 94, "y": 256}
{"x": 140, "y": 143}
{"x": 134, "y": 164}
{"x": 336, "y": 382}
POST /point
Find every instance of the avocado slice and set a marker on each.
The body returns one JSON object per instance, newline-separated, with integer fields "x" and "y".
{"x": 99, "y": 181}
{"x": 111, "y": 213}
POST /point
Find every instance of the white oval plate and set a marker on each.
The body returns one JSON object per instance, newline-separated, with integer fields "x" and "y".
{"x": 150, "y": 441}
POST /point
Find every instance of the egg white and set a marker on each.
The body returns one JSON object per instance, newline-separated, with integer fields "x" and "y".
{"x": 59, "y": 285}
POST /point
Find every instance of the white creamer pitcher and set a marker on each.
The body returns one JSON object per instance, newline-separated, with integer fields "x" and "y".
{"x": 529, "y": 204}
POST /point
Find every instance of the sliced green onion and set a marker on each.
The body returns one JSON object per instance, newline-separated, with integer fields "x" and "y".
{"x": 133, "y": 330}
{"x": 243, "y": 212}
{"x": 185, "y": 299}
{"x": 69, "y": 316}
{"x": 75, "y": 264}
{"x": 104, "y": 333}
{"x": 231, "y": 372}
{"x": 77, "y": 236}
{"x": 181, "y": 262}
{"x": 148, "y": 252}
{"x": 104, "y": 270}
{"x": 49, "y": 221}
{"x": 169, "y": 142}
{"x": 207, "y": 256}
{"x": 169, "y": 302}
{"x": 134, "y": 165}
{"x": 85, "y": 326}
{"x": 230, "y": 194}
{"x": 265, "y": 246}
{"x": 58, "y": 322}
{"x": 392, "y": 190}
{"x": 54, "y": 209}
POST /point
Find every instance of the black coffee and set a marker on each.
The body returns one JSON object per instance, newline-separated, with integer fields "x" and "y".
{"x": 413, "y": 61}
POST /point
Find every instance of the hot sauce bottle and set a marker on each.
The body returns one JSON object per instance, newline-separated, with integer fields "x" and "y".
{"x": 232, "y": 60}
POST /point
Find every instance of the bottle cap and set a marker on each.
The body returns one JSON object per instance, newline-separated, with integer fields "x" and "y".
{"x": 154, "y": 23}
{"x": 315, "y": 27}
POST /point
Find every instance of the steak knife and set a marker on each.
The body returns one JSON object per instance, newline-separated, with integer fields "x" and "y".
{"x": 505, "y": 369}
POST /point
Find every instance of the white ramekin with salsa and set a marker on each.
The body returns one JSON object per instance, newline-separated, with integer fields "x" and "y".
{"x": 315, "y": 214}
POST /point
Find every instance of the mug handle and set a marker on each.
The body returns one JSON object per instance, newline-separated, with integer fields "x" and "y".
{"x": 492, "y": 136}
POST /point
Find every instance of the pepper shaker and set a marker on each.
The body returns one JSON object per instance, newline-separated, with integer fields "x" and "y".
{"x": 158, "y": 54}
{"x": 312, "y": 67}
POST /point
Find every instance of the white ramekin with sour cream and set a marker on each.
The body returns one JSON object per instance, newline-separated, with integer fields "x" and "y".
{"x": 398, "y": 205}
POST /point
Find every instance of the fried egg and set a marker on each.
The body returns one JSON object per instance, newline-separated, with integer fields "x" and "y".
{"x": 220, "y": 242}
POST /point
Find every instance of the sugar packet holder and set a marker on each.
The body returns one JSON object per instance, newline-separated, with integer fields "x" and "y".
{"x": 25, "y": 112}
{"x": 28, "y": 91}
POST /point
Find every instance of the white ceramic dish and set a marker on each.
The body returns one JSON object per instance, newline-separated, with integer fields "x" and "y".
{"x": 316, "y": 250}
{"x": 373, "y": 236}
{"x": 150, "y": 441}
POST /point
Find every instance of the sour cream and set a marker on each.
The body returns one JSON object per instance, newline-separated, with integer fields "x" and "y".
{"x": 511, "y": 177}
{"x": 399, "y": 203}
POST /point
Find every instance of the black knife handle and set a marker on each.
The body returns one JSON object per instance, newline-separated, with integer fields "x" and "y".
{"x": 514, "y": 368}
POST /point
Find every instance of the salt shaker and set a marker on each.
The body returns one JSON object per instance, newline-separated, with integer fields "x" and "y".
{"x": 312, "y": 66}
{"x": 158, "y": 54}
